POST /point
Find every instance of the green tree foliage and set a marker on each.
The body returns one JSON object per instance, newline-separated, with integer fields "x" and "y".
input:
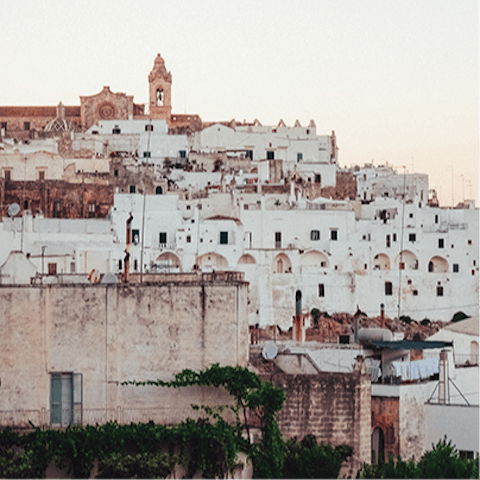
{"x": 315, "y": 313}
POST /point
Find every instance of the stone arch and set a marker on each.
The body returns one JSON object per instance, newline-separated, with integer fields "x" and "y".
{"x": 407, "y": 260}
{"x": 159, "y": 190}
{"x": 211, "y": 260}
{"x": 246, "y": 259}
{"x": 438, "y": 265}
{"x": 314, "y": 258}
{"x": 381, "y": 262}
{"x": 282, "y": 264}
{"x": 168, "y": 261}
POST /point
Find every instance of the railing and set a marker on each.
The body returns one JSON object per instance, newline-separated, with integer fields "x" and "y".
{"x": 24, "y": 419}
{"x": 466, "y": 360}
{"x": 167, "y": 246}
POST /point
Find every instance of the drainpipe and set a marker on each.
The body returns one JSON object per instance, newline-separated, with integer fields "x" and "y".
{"x": 382, "y": 315}
{"x": 126, "y": 262}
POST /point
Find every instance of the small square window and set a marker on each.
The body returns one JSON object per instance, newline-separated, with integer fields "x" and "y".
{"x": 441, "y": 243}
{"x": 132, "y": 188}
{"x": 365, "y": 266}
{"x": 52, "y": 268}
{"x": 26, "y": 125}
{"x": 469, "y": 242}
{"x": 249, "y": 154}
{"x": 321, "y": 290}
{"x": 315, "y": 235}
{"x": 270, "y": 155}
{"x": 188, "y": 207}
{"x": 439, "y": 291}
{"x": 412, "y": 237}
{"x": 147, "y": 154}
{"x": 388, "y": 288}
{"x": 411, "y": 215}
{"x": 182, "y": 154}
{"x": 318, "y": 178}
{"x": 333, "y": 234}
{"x": 415, "y": 293}
{"x": 224, "y": 238}
{"x": 149, "y": 128}
{"x": 189, "y": 239}
{"x": 41, "y": 174}
{"x": 115, "y": 173}
{"x": 299, "y": 157}
{"x": 116, "y": 130}
{"x": 455, "y": 267}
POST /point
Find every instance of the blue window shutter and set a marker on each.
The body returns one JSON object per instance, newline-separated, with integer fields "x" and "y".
{"x": 56, "y": 400}
{"x": 77, "y": 398}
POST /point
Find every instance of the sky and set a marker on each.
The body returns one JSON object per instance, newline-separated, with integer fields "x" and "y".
{"x": 396, "y": 80}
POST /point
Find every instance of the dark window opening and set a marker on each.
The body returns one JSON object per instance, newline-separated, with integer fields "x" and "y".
{"x": 415, "y": 293}
{"x": 298, "y": 302}
{"x": 388, "y": 288}
{"x": 394, "y": 237}
{"x": 115, "y": 173}
{"x": 52, "y": 268}
{"x": 321, "y": 290}
{"x": 189, "y": 239}
{"x": 315, "y": 235}
{"x": 159, "y": 97}
{"x": 26, "y": 125}
{"x": 455, "y": 267}
{"x": 120, "y": 264}
{"x": 163, "y": 237}
{"x": 344, "y": 339}
{"x": 333, "y": 234}
{"x": 116, "y": 130}
{"x": 430, "y": 266}
{"x": 132, "y": 188}
{"x": 278, "y": 239}
{"x": 299, "y": 157}
{"x": 318, "y": 178}
{"x": 249, "y": 154}
{"x": 135, "y": 264}
{"x": 436, "y": 218}
{"x": 4, "y": 126}
{"x": 135, "y": 237}
{"x": 388, "y": 241}
{"x": 439, "y": 291}
{"x": 441, "y": 243}
{"x": 224, "y": 238}
{"x": 182, "y": 153}
{"x": 270, "y": 155}
{"x": 159, "y": 191}
{"x": 412, "y": 237}
{"x": 41, "y": 174}
{"x": 149, "y": 128}
{"x": 147, "y": 154}
{"x": 7, "y": 174}
{"x": 25, "y": 205}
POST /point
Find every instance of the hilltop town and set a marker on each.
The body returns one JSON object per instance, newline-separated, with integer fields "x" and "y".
{"x": 137, "y": 242}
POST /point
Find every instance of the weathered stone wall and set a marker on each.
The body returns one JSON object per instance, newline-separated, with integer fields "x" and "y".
{"x": 115, "y": 333}
{"x": 335, "y": 407}
{"x": 386, "y": 415}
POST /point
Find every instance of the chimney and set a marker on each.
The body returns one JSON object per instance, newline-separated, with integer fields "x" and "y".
{"x": 443, "y": 382}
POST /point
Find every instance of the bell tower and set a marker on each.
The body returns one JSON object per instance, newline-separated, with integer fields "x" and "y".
{"x": 160, "y": 91}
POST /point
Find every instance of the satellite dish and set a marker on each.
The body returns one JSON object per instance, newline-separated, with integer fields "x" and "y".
{"x": 269, "y": 351}
{"x": 13, "y": 209}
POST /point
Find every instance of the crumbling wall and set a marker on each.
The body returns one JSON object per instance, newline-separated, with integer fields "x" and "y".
{"x": 335, "y": 407}
{"x": 386, "y": 415}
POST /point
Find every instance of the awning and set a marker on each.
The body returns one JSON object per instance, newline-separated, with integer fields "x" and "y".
{"x": 410, "y": 344}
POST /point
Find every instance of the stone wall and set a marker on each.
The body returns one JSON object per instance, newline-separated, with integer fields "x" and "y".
{"x": 386, "y": 415}
{"x": 114, "y": 333}
{"x": 335, "y": 407}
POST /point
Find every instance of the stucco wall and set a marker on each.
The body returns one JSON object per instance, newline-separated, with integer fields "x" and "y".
{"x": 115, "y": 333}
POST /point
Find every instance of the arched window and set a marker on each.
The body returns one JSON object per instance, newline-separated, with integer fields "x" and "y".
{"x": 159, "y": 97}
{"x": 159, "y": 191}
{"x": 298, "y": 302}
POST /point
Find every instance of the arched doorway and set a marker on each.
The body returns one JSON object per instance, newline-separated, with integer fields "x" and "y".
{"x": 159, "y": 191}
{"x": 378, "y": 445}
{"x": 298, "y": 302}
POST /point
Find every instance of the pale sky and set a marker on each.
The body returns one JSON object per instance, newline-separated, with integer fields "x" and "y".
{"x": 397, "y": 80}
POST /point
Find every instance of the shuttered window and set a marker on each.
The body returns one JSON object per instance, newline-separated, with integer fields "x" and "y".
{"x": 66, "y": 399}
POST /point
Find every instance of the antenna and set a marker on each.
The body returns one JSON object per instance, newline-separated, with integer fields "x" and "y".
{"x": 13, "y": 209}
{"x": 269, "y": 351}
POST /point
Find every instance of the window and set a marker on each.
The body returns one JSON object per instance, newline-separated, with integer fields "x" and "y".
{"x": 182, "y": 153}
{"x": 394, "y": 237}
{"x": 25, "y": 205}
{"x": 163, "y": 238}
{"x": 318, "y": 178}
{"x": 436, "y": 218}
{"x": 135, "y": 237}
{"x": 333, "y": 234}
{"x": 57, "y": 209}
{"x": 411, "y": 215}
{"x": 135, "y": 264}
{"x": 469, "y": 242}
{"x": 132, "y": 188}
{"x": 439, "y": 291}
{"x": 41, "y": 174}
{"x": 189, "y": 239}
{"x": 315, "y": 235}
{"x": 278, "y": 239}
{"x": 7, "y": 175}
{"x": 388, "y": 241}
{"x": 440, "y": 243}
{"x": 249, "y": 154}
{"x": 224, "y": 238}
{"x": 299, "y": 157}
{"x": 412, "y": 237}
{"x": 120, "y": 266}
{"x": 91, "y": 208}
{"x": 149, "y": 128}
{"x": 402, "y": 266}
{"x": 52, "y": 268}
{"x": 115, "y": 173}
{"x": 72, "y": 267}
{"x": 147, "y": 154}
{"x": 455, "y": 268}
{"x": 65, "y": 399}
{"x": 270, "y": 155}
{"x": 345, "y": 339}
{"x": 116, "y": 130}
{"x": 26, "y": 125}
{"x": 388, "y": 288}
{"x": 321, "y": 290}
{"x": 4, "y": 126}
{"x": 159, "y": 191}
{"x": 415, "y": 293}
